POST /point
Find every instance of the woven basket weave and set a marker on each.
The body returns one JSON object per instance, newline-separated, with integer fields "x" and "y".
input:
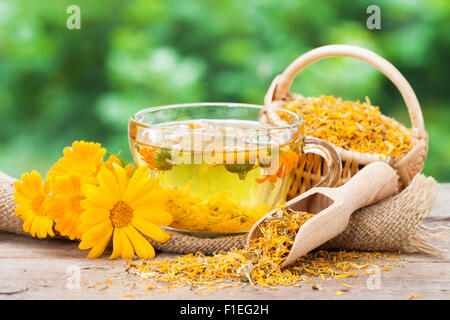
{"x": 311, "y": 168}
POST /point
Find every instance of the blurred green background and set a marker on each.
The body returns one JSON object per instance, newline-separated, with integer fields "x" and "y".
{"x": 59, "y": 85}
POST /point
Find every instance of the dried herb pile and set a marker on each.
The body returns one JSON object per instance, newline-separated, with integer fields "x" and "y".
{"x": 352, "y": 125}
{"x": 260, "y": 263}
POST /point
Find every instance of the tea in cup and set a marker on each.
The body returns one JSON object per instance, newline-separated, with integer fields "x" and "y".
{"x": 222, "y": 168}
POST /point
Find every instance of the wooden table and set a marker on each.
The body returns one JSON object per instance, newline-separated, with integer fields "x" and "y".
{"x": 43, "y": 269}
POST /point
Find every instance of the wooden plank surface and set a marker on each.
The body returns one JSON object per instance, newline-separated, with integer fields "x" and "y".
{"x": 43, "y": 269}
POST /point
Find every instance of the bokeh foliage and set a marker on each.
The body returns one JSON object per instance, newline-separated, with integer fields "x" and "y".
{"x": 58, "y": 85}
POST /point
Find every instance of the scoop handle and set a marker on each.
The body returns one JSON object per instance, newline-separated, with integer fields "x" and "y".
{"x": 374, "y": 182}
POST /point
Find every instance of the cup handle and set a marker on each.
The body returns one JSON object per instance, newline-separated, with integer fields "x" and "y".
{"x": 331, "y": 157}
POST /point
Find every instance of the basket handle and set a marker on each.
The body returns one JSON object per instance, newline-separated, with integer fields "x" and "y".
{"x": 279, "y": 89}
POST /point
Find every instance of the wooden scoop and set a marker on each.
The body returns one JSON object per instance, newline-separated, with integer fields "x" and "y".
{"x": 333, "y": 206}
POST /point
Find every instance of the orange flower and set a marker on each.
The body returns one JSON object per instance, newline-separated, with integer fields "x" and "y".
{"x": 65, "y": 205}
{"x": 123, "y": 209}
{"x": 83, "y": 159}
{"x": 66, "y": 196}
{"x": 31, "y": 197}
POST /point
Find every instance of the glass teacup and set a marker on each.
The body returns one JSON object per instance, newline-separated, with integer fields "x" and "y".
{"x": 223, "y": 169}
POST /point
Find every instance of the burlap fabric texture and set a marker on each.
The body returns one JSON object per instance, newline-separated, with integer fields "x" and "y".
{"x": 393, "y": 224}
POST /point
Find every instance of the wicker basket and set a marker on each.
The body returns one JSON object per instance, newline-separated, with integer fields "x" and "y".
{"x": 311, "y": 167}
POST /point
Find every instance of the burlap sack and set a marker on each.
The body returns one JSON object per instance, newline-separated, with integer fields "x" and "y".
{"x": 394, "y": 224}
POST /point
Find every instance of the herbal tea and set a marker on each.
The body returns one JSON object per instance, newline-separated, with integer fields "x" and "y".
{"x": 224, "y": 165}
{"x": 223, "y": 175}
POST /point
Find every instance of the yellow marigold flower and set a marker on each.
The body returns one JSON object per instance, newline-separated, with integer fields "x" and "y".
{"x": 83, "y": 159}
{"x": 65, "y": 205}
{"x": 120, "y": 206}
{"x": 31, "y": 197}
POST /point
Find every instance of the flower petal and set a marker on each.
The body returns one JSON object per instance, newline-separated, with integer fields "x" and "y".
{"x": 117, "y": 244}
{"x": 96, "y": 196}
{"x": 122, "y": 179}
{"x": 98, "y": 249}
{"x": 156, "y": 214}
{"x": 50, "y": 227}
{"x": 150, "y": 230}
{"x": 109, "y": 184}
{"x": 33, "y": 181}
{"x": 127, "y": 248}
{"x": 97, "y": 232}
{"x": 23, "y": 190}
{"x": 156, "y": 195}
{"x": 27, "y": 224}
{"x": 139, "y": 183}
{"x": 34, "y": 226}
{"x": 141, "y": 246}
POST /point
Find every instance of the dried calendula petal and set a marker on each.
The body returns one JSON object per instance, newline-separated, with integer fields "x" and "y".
{"x": 217, "y": 214}
{"x": 259, "y": 264}
{"x": 352, "y": 125}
